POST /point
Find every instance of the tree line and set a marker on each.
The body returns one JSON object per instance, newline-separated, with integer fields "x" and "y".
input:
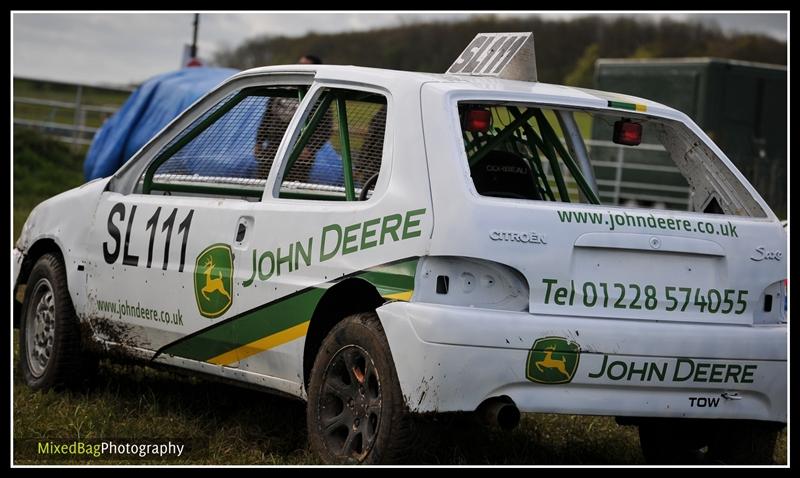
{"x": 565, "y": 49}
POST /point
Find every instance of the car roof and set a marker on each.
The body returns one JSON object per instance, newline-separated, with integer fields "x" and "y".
{"x": 446, "y": 82}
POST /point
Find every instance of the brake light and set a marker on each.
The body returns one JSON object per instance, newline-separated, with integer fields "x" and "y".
{"x": 627, "y": 133}
{"x": 478, "y": 120}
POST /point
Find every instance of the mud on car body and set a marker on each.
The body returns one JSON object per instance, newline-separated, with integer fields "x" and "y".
{"x": 383, "y": 243}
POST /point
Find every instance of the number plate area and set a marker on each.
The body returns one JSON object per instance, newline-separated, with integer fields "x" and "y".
{"x": 634, "y": 284}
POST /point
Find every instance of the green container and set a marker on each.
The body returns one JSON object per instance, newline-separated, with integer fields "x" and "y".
{"x": 740, "y": 105}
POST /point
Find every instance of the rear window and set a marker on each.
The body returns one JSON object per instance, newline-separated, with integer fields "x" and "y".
{"x": 605, "y": 157}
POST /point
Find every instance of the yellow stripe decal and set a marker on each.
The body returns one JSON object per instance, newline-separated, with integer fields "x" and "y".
{"x": 404, "y": 296}
{"x": 261, "y": 345}
{"x": 641, "y": 107}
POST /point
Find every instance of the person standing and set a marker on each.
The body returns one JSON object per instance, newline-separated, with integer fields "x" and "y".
{"x": 319, "y": 162}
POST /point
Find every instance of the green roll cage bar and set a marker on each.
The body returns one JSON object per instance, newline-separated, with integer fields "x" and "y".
{"x": 520, "y": 132}
{"x": 326, "y": 99}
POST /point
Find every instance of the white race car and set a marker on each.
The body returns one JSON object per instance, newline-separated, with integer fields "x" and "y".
{"x": 384, "y": 243}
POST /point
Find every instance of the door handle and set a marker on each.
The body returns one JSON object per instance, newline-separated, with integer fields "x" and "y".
{"x": 240, "y": 237}
{"x": 240, "y": 232}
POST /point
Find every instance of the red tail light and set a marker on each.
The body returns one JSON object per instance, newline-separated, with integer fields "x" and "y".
{"x": 627, "y": 133}
{"x": 478, "y": 120}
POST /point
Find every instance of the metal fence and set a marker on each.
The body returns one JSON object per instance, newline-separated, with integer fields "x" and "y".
{"x": 662, "y": 193}
{"x": 74, "y": 122}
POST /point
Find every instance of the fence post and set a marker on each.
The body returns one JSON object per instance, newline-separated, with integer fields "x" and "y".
{"x": 77, "y": 117}
{"x": 618, "y": 177}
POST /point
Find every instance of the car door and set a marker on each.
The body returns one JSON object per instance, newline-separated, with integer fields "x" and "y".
{"x": 315, "y": 228}
{"x": 165, "y": 254}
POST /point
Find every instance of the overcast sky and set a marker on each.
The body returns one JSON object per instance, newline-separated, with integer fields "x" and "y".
{"x": 121, "y": 48}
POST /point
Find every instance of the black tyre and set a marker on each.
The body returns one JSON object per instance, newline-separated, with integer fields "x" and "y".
{"x": 356, "y": 412}
{"x": 744, "y": 442}
{"x": 672, "y": 442}
{"x": 49, "y": 336}
{"x": 687, "y": 442}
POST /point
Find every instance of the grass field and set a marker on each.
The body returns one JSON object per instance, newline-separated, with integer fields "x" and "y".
{"x": 44, "y": 90}
{"x": 50, "y": 114}
{"x": 43, "y": 168}
{"x": 232, "y": 425}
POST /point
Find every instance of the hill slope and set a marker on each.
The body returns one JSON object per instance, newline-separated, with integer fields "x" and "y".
{"x": 565, "y": 49}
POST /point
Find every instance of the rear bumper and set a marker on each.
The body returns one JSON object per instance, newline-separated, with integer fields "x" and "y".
{"x": 453, "y": 358}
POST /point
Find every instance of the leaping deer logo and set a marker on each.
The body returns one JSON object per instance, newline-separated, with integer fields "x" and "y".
{"x": 549, "y": 362}
{"x": 213, "y": 283}
{"x": 213, "y": 280}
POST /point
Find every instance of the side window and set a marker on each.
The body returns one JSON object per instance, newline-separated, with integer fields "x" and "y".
{"x": 338, "y": 154}
{"x": 229, "y": 150}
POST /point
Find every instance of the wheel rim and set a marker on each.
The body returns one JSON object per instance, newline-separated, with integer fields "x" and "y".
{"x": 350, "y": 404}
{"x": 40, "y": 327}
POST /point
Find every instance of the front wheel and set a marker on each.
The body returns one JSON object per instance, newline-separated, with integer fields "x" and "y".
{"x": 356, "y": 412}
{"x": 49, "y": 336}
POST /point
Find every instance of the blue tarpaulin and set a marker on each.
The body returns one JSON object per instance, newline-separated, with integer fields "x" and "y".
{"x": 151, "y": 107}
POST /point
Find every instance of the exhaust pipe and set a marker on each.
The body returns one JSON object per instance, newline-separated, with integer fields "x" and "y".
{"x": 500, "y": 412}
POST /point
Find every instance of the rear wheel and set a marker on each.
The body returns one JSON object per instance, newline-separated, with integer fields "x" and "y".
{"x": 686, "y": 442}
{"x": 49, "y": 339}
{"x": 672, "y": 442}
{"x": 356, "y": 411}
{"x": 741, "y": 442}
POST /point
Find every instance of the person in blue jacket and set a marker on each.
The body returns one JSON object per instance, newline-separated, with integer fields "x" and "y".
{"x": 151, "y": 107}
{"x": 160, "y": 99}
{"x": 318, "y": 163}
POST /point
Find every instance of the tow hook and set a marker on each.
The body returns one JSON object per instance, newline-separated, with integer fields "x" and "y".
{"x": 731, "y": 396}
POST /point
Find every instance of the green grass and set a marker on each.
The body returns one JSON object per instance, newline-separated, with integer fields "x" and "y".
{"x": 92, "y": 119}
{"x": 233, "y": 425}
{"x": 43, "y": 167}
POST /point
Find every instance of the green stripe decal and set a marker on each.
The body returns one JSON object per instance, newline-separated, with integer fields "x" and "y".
{"x": 627, "y": 106}
{"x": 248, "y": 327}
{"x": 205, "y": 345}
{"x": 392, "y": 278}
{"x": 283, "y": 314}
{"x": 275, "y": 318}
{"x": 621, "y": 105}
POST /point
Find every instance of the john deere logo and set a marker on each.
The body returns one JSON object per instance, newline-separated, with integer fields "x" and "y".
{"x": 552, "y": 360}
{"x": 213, "y": 283}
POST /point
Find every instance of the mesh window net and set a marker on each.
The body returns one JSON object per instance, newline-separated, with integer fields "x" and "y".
{"x": 319, "y": 166}
{"x": 239, "y": 145}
